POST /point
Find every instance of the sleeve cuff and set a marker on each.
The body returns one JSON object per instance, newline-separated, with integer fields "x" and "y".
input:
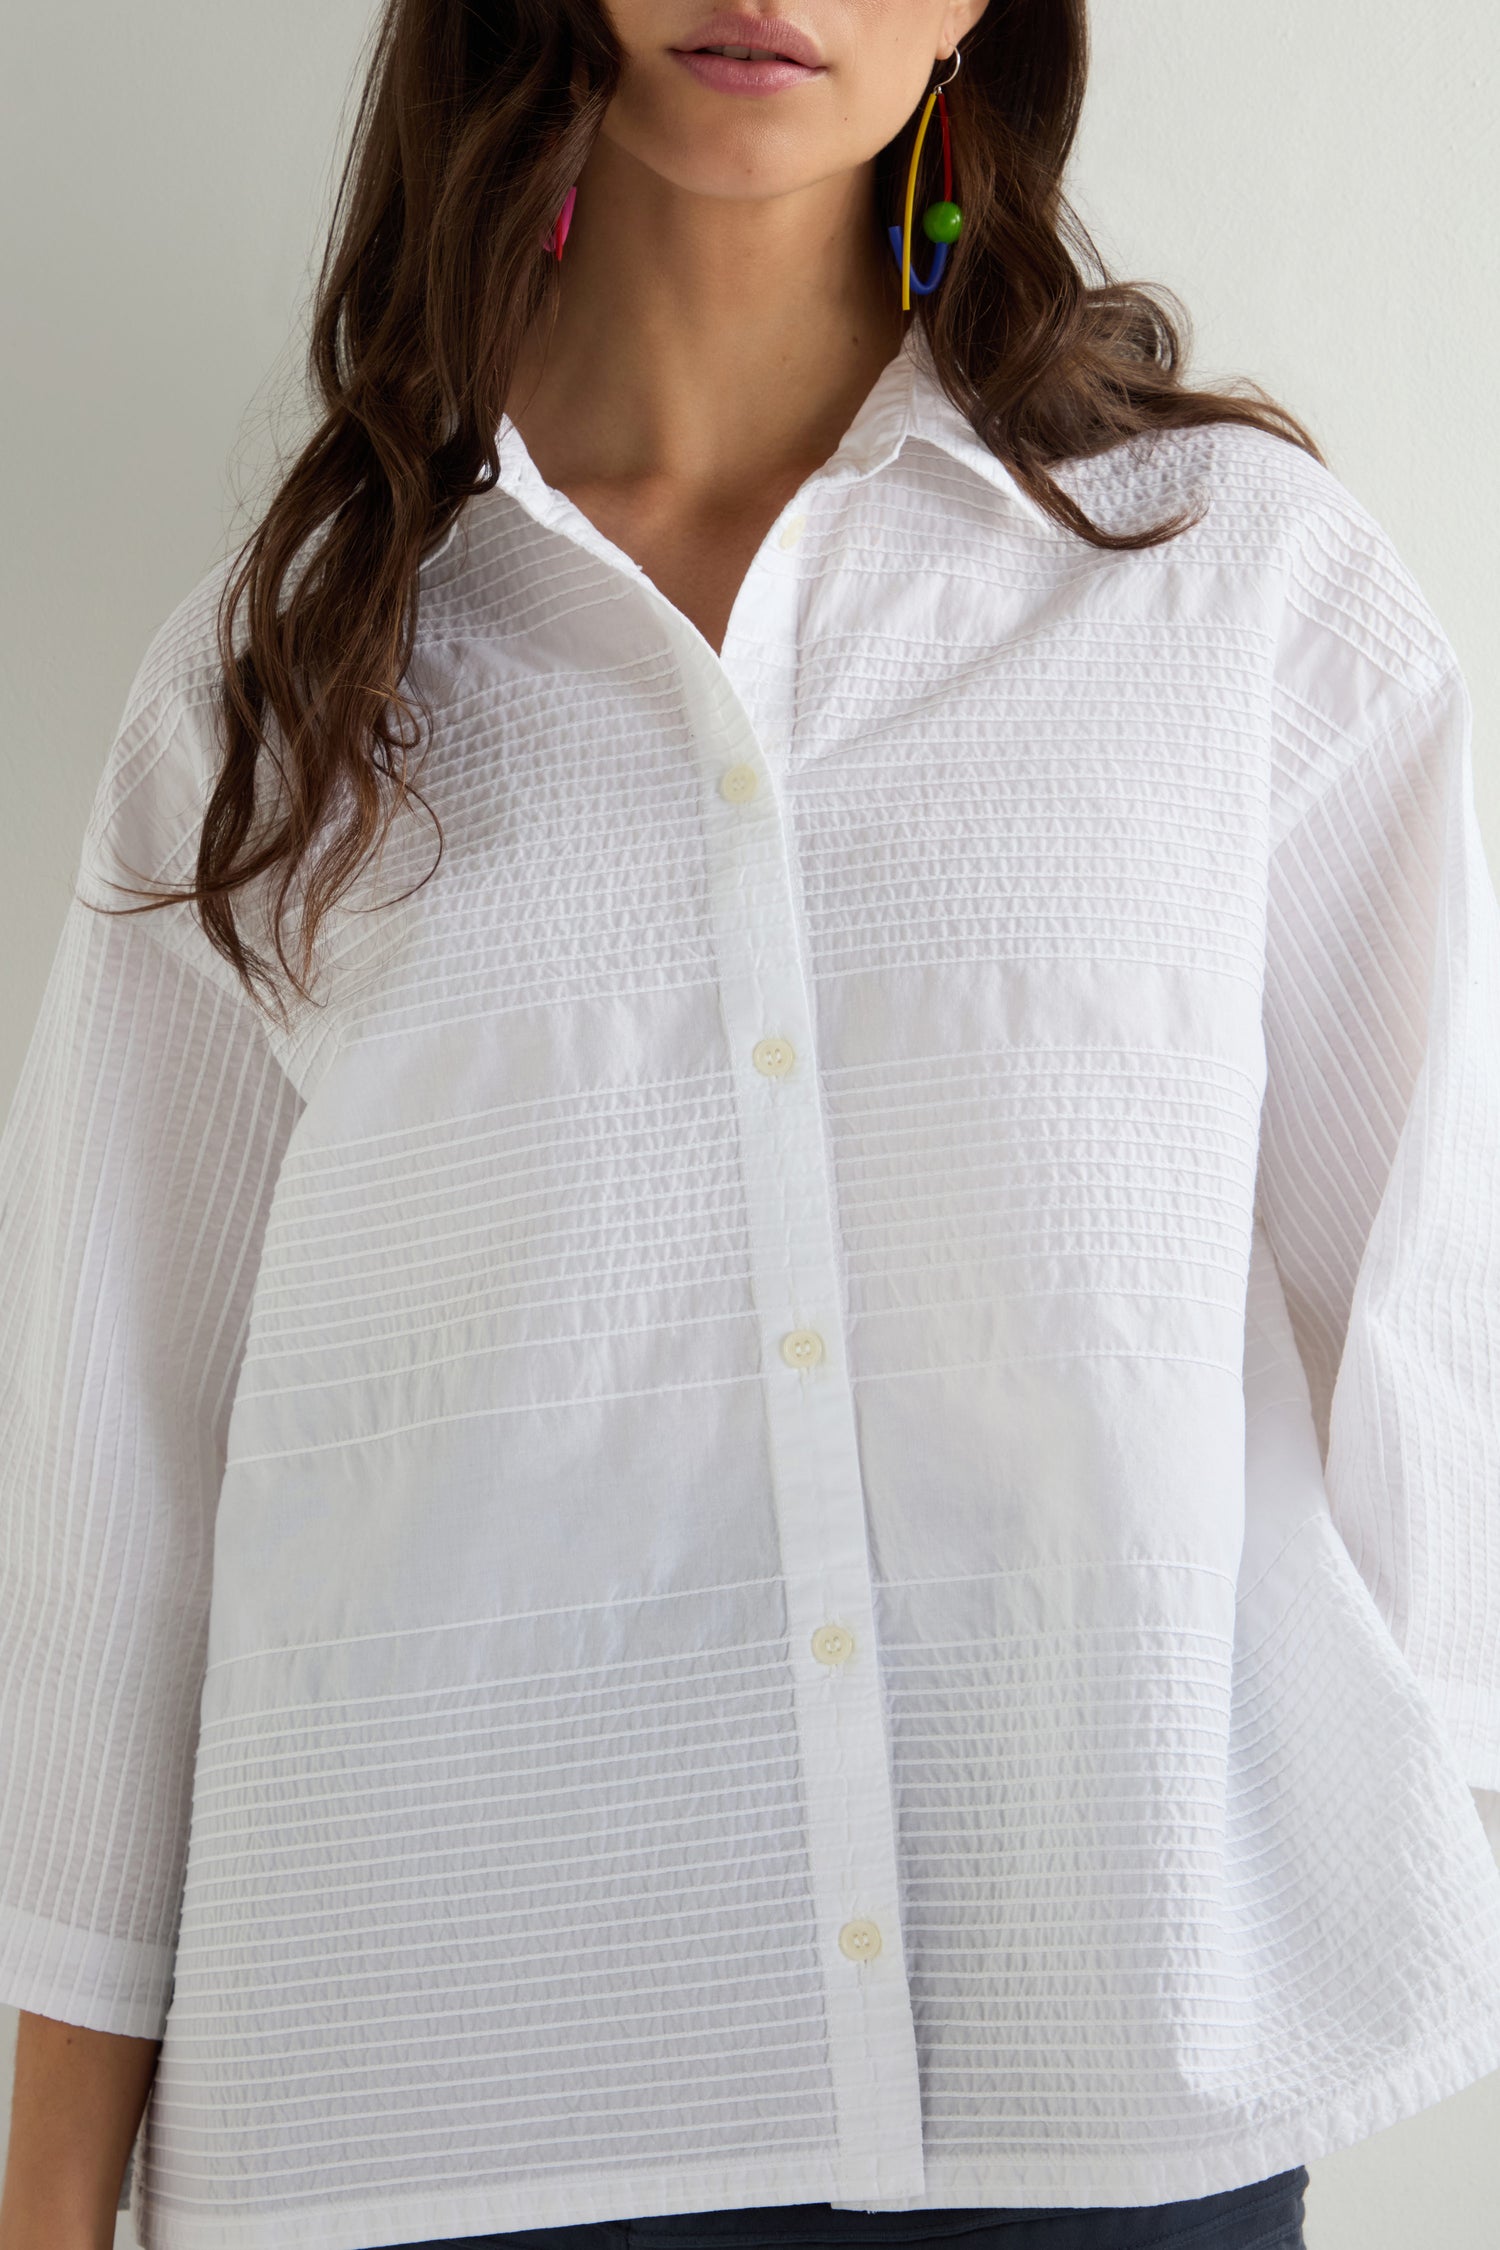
{"x": 79, "y": 1976}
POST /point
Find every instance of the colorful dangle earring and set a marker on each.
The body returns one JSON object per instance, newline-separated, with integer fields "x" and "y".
{"x": 942, "y": 222}
{"x": 557, "y": 234}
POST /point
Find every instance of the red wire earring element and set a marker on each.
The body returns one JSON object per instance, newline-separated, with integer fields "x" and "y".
{"x": 557, "y": 233}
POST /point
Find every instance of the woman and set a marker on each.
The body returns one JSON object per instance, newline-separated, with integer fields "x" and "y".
{"x": 750, "y": 1430}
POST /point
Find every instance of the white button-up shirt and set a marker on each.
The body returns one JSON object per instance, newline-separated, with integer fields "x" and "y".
{"x": 803, "y": 1503}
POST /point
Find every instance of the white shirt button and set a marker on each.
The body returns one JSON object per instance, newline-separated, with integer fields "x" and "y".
{"x": 791, "y": 530}
{"x": 860, "y": 1940}
{"x": 803, "y": 1347}
{"x": 773, "y": 1057}
{"x": 832, "y": 1644}
{"x": 739, "y": 784}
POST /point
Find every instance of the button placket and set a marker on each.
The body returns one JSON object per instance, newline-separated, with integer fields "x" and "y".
{"x": 767, "y": 1007}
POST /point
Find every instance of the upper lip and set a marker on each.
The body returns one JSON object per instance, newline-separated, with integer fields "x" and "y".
{"x": 773, "y": 33}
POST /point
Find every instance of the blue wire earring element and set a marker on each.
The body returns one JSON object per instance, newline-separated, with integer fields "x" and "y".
{"x": 942, "y": 223}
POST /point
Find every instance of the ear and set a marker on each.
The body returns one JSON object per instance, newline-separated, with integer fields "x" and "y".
{"x": 959, "y": 18}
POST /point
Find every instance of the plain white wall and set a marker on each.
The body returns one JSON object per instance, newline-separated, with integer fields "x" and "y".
{"x": 1318, "y": 179}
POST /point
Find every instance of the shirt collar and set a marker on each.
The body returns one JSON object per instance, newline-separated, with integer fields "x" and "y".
{"x": 907, "y": 401}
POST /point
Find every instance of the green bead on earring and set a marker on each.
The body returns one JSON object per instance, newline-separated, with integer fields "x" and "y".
{"x": 942, "y": 222}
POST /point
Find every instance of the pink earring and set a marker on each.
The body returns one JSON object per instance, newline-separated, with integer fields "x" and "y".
{"x": 557, "y": 233}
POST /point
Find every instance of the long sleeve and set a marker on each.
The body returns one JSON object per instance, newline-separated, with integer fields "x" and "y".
{"x": 135, "y": 1173}
{"x": 1380, "y": 1184}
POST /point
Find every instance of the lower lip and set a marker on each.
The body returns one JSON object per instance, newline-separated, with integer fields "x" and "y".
{"x": 728, "y": 76}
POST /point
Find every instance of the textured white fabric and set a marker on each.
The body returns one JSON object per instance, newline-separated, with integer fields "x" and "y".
{"x": 1062, "y": 988}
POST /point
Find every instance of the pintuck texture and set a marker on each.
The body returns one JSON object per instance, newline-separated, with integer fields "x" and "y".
{"x": 802, "y": 1502}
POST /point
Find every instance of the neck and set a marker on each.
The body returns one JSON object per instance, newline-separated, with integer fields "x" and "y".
{"x": 706, "y": 341}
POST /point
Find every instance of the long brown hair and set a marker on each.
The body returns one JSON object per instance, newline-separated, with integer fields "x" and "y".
{"x": 472, "y": 124}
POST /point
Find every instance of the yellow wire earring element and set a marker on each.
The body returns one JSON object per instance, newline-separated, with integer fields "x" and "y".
{"x": 911, "y": 197}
